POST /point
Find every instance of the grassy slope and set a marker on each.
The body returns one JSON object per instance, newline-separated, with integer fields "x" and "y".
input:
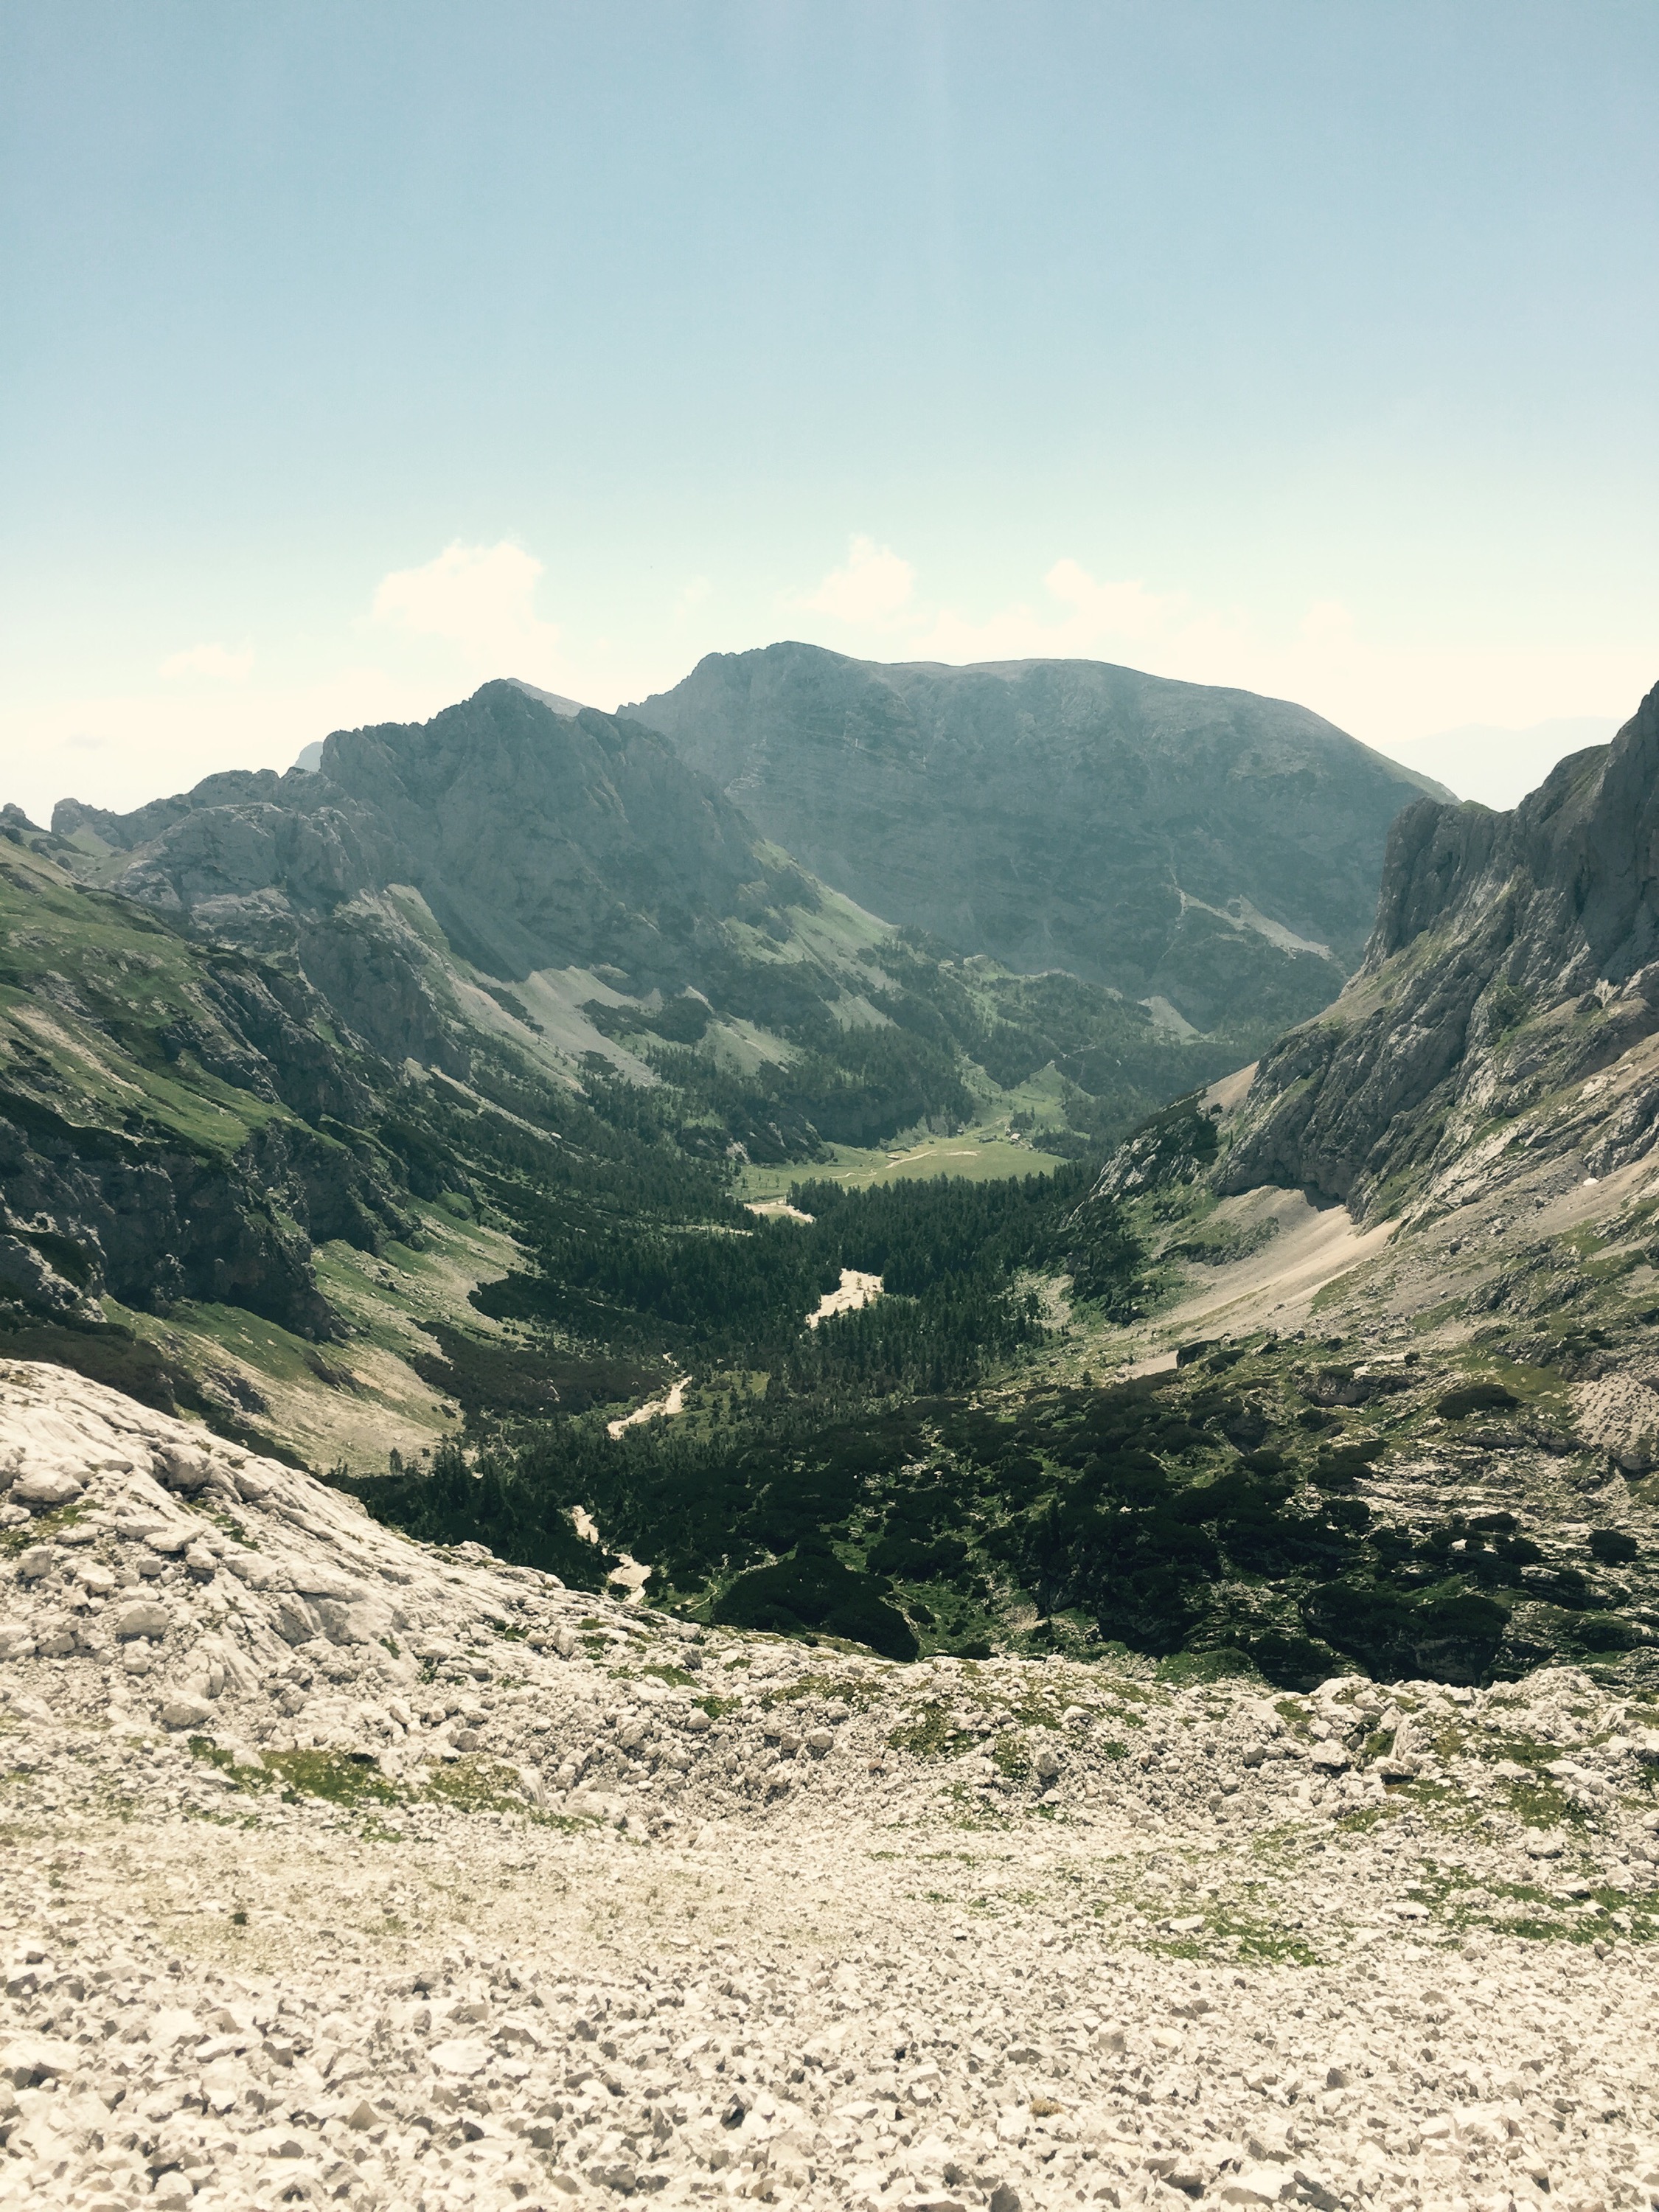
{"x": 87, "y": 984}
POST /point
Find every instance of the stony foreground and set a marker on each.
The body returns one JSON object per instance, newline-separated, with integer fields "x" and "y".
{"x": 340, "y": 1871}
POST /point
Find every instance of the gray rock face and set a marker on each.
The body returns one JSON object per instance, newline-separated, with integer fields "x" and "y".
{"x": 537, "y": 839}
{"x": 1171, "y": 839}
{"x": 1513, "y": 954}
{"x": 153, "y": 1222}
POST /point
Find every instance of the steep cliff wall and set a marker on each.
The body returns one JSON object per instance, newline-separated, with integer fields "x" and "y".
{"x": 1513, "y": 956}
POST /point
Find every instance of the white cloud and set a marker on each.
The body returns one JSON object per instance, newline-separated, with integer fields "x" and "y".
{"x": 1120, "y": 610}
{"x": 874, "y": 586}
{"x": 217, "y": 662}
{"x": 1097, "y": 619}
{"x": 480, "y": 599}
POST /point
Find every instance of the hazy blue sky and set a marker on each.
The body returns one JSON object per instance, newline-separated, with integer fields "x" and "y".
{"x": 353, "y": 352}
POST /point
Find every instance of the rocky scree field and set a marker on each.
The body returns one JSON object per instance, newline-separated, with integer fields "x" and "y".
{"x": 346, "y": 1870}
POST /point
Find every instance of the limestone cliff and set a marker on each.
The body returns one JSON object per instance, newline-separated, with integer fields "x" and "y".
{"x": 1514, "y": 956}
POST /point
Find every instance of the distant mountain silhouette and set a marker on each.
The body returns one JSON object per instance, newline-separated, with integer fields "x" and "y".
{"x": 1204, "y": 845}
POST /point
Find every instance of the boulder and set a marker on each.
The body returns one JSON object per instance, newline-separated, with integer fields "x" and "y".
{"x": 184, "y": 1711}
{"x": 46, "y": 1488}
{"x": 462, "y": 2056}
{"x": 143, "y": 1617}
{"x": 30, "y": 2058}
{"x": 183, "y": 1469}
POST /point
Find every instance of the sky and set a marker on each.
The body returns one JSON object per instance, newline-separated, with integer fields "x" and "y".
{"x": 355, "y": 353}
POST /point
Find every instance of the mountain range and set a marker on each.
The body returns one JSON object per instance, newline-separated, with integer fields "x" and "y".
{"x": 490, "y": 1110}
{"x": 1209, "y": 847}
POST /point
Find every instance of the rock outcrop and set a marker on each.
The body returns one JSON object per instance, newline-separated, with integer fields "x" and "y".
{"x": 1514, "y": 957}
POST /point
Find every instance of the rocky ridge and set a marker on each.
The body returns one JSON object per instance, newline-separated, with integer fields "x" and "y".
{"x": 349, "y": 1871}
{"x": 513, "y": 834}
{"x": 1197, "y": 846}
{"x": 1509, "y": 998}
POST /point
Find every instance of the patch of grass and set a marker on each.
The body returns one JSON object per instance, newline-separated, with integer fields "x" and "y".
{"x": 718, "y": 1708}
{"x": 339, "y": 1777}
{"x": 1523, "y": 1750}
{"x": 1036, "y": 1709}
{"x": 41, "y": 1530}
{"x": 354, "y": 1779}
{"x": 931, "y": 1734}
{"x": 226, "y": 1523}
{"x": 1262, "y": 1942}
{"x": 1010, "y": 1756}
{"x": 1541, "y": 1805}
{"x": 1544, "y": 1918}
{"x": 336, "y": 1776}
{"x": 214, "y": 1819}
{"x": 675, "y": 1675}
{"x": 478, "y": 1785}
{"x": 1363, "y": 1818}
{"x": 854, "y": 1690}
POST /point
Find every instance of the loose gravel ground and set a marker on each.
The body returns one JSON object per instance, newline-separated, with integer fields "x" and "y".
{"x": 340, "y": 1869}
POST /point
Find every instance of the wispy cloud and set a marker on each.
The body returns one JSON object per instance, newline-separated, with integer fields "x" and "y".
{"x": 479, "y": 599}
{"x": 1084, "y": 617}
{"x": 1325, "y": 657}
{"x": 217, "y": 663}
{"x": 874, "y": 586}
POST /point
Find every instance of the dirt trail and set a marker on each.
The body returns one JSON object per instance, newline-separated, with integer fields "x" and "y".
{"x": 672, "y": 1402}
{"x": 778, "y": 1209}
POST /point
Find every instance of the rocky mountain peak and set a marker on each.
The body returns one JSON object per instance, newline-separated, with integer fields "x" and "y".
{"x": 1178, "y": 841}
{"x": 1513, "y": 956}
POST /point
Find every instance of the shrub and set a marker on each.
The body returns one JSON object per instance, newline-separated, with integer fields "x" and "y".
{"x": 1475, "y": 1398}
{"x": 814, "y": 1590}
{"x": 1611, "y": 1547}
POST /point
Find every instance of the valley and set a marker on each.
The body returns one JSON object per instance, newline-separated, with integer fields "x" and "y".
{"x": 1025, "y": 1374}
{"x": 566, "y": 1376}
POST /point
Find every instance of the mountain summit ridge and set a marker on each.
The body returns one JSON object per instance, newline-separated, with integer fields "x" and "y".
{"x": 1071, "y": 814}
